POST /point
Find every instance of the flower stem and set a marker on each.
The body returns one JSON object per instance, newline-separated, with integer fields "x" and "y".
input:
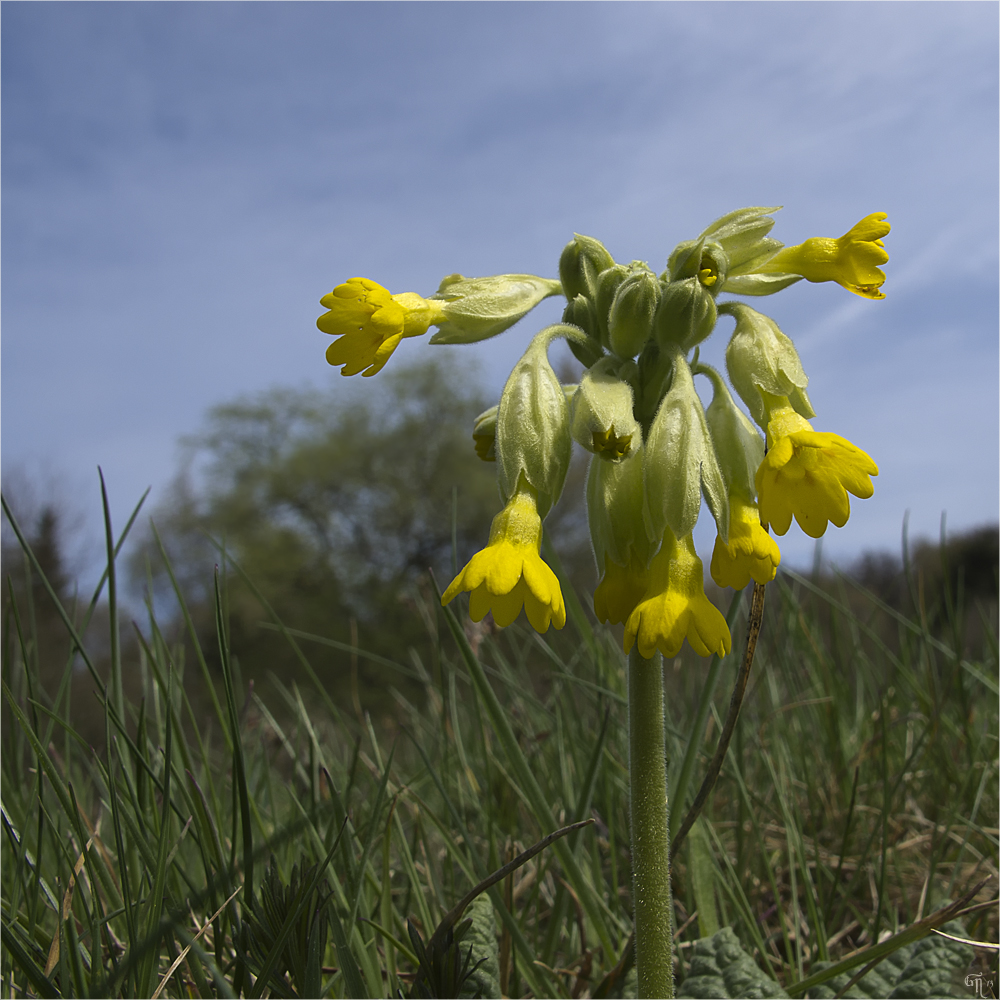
{"x": 650, "y": 837}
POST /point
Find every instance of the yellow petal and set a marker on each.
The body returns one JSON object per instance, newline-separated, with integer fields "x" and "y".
{"x": 382, "y": 355}
{"x": 808, "y": 474}
{"x": 852, "y": 261}
{"x": 675, "y": 607}
{"x": 509, "y": 573}
{"x": 750, "y": 553}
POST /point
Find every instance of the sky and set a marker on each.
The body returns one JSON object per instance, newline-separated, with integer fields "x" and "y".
{"x": 182, "y": 182}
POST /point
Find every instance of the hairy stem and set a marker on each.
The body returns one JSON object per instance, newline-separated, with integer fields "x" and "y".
{"x": 650, "y": 835}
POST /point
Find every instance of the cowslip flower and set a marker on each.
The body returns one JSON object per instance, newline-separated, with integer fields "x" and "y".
{"x": 750, "y": 551}
{"x": 369, "y": 322}
{"x": 509, "y": 573}
{"x": 808, "y": 474}
{"x": 852, "y": 261}
{"x": 620, "y": 590}
{"x": 675, "y": 607}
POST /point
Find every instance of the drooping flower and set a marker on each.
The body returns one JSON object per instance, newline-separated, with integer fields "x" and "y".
{"x": 509, "y": 573}
{"x": 808, "y": 474}
{"x": 369, "y": 322}
{"x": 620, "y": 590}
{"x": 852, "y": 261}
{"x": 750, "y": 552}
{"x": 675, "y": 607}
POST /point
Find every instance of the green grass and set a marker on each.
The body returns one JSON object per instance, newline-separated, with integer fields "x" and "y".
{"x": 289, "y": 842}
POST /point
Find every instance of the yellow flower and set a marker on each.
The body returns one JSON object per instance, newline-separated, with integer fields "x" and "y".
{"x": 808, "y": 474}
{"x": 675, "y": 606}
{"x": 509, "y": 572}
{"x": 620, "y": 590}
{"x": 852, "y": 261}
{"x": 369, "y": 323}
{"x": 750, "y": 552}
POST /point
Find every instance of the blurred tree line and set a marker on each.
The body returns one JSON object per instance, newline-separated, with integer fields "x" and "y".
{"x": 336, "y": 504}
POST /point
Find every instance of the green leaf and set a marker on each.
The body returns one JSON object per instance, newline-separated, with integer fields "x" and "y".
{"x": 877, "y": 983}
{"x": 481, "y": 943}
{"x": 934, "y": 966}
{"x": 721, "y": 968}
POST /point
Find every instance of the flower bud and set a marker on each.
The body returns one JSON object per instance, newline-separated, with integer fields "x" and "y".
{"x": 630, "y": 321}
{"x": 580, "y": 312}
{"x": 760, "y": 358}
{"x": 738, "y": 446}
{"x": 532, "y": 430}
{"x": 608, "y": 283}
{"x": 581, "y": 262}
{"x": 484, "y": 434}
{"x": 686, "y": 314}
{"x": 586, "y": 352}
{"x": 743, "y": 236}
{"x": 601, "y": 417}
{"x": 680, "y": 462}
{"x": 479, "y": 308}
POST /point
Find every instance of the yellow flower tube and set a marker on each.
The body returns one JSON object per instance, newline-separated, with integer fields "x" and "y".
{"x": 620, "y": 590}
{"x": 750, "y": 552}
{"x": 675, "y": 607}
{"x": 509, "y": 573}
{"x": 852, "y": 261}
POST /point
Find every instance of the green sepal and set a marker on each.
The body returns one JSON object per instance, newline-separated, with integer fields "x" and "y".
{"x": 743, "y": 234}
{"x": 760, "y": 358}
{"x": 601, "y": 418}
{"x": 758, "y": 284}
{"x": 532, "y": 431}
{"x": 615, "y": 510}
{"x": 738, "y": 445}
{"x": 680, "y": 463}
{"x": 480, "y": 308}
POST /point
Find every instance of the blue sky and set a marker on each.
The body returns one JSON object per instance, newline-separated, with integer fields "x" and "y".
{"x": 182, "y": 182}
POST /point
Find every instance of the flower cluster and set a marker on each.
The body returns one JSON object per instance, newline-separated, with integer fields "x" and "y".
{"x": 657, "y": 451}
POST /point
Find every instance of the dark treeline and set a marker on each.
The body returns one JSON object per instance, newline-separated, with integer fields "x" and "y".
{"x": 338, "y": 505}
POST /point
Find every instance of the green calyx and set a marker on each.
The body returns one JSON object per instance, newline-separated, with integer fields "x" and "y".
{"x": 615, "y": 510}
{"x": 681, "y": 464}
{"x": 479, "y": 308}
{"x": 630, "y": 317}
{"x": 738, "y": 445}
{"x": 761, "y": 359}
{"x": 581, "y": 262}
{"x": 601, "y": 417}
{"x": 686, "y": 314}
{"x": 532, "y": 429}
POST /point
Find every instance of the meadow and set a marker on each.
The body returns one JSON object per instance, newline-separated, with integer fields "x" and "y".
{"x": 284, "y": 842}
